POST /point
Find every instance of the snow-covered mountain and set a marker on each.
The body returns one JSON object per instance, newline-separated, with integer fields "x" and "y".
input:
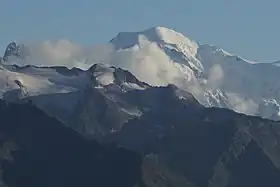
{"x": 158, "y": 56}
{"x": 59, "y": 90}
{"x": 214, "y": 76}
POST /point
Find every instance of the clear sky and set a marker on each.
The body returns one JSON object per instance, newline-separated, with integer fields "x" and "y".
{"x": 249, "y": 28}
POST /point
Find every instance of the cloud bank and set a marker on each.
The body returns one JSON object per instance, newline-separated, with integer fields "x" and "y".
{"x": 61, "y": 53}
{"x": 146, "y": 61}
{"x": 236, "y": 101}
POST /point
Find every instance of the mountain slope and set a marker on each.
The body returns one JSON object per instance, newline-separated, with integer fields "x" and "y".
{"x": 29, "y": 157}
{"x": 65, "y": 159}
{"x": 179, "y": 140}
{"x": 210, "y": 146}
{"x": 166, "y": 125}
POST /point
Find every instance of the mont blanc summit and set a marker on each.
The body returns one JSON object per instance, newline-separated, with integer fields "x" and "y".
{"x": 213, "y": 75}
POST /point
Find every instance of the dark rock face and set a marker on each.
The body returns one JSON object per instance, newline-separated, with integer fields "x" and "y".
{"x": 37, "y": 150}
{"x": 96, "y": 115}
{"x": 212, "y": 147}
{"x": 46, "y": 153}
{"x": 207, "y": 146}
{"x": 101, "y": 111}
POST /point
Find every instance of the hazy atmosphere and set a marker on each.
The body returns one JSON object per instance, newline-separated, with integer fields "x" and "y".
{"x": 245, "y": 27}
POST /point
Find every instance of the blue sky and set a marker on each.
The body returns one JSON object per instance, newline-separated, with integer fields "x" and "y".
{"x": 249, "y": 28}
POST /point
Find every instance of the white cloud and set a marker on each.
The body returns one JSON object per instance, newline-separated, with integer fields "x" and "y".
{"x": 215, "y": 77}
{"x": 149, "y": 64}
{"x": 146, "y": 61}
{"x": 65, "y": 53}
{"x": 236, "y": 101}
{"x": 49, "y": 53}
{"x": 241, "y": 104}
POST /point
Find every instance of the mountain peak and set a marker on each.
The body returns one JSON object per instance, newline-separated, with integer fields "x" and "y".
{"x": 13, "y": 49}
{"x": 159, "y": 35}
{"x": 164, "y": 34}
{"x": 105, "y": 75}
